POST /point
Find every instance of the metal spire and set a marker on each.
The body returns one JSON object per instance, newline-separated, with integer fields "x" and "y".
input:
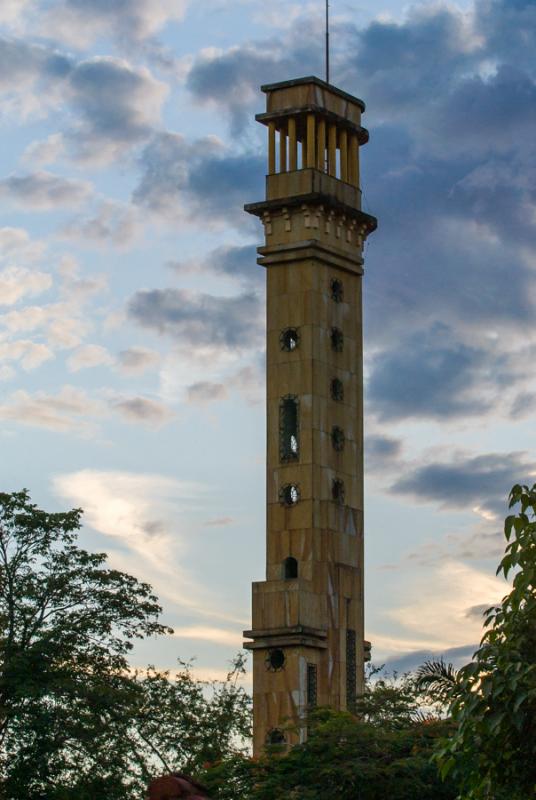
{"x": 327, "y": 41}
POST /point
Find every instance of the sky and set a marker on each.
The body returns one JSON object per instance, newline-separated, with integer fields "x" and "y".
{"x": 132, "y": 309}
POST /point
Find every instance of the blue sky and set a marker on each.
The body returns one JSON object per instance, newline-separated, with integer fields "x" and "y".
{"x": 132, "y": 310}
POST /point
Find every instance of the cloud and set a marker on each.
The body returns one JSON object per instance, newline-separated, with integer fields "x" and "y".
{"x": 45, "y": 151}
{"x": 105, "y": 105}
{"x": 433, "y": 374}
{"x": 30, "y": 354}
{"x": 435, "y": 604}
{"x": 137, "y": 509}
{"x": 110, "y": 223}
{"x": 145, "y": 518}
{"x": 234, "y": 261}
{"x": 205, "y": 392}
{"x": 381, "y": 452}
{"x": 67, "y": 411}
{"x": 44, "y": 191}
{"x": 87, "y": 356}
{"x": 219, "y": 522}
{"x": 524, "y": 405}
{"x": 16, "y": 247}
{"x": 80, "y": 22}
{"x": 197, "y": 179}
{"x": 143, "y": 410}
{"x": 409, "y": 662}
{"x": 479, "y": 483}
{"x": 136, "y": 360}
{"x": 118, "y": 104}
{"x": 230, "y": 79}
{"x": 198, "y": 319}
{"x": 30, "y": 77}
{"x": 232, "y": 638}
{"x": 17, "y": 282}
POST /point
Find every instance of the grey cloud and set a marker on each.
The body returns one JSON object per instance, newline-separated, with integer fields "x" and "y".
{"x": 197, "y": 179}
{"x": 231, "y": 80}
{"x": 118, "y": 104}
{"x": 415, "y": 62}
{"x": 43, "y": 190}
{"x": 467, "y": 482}
{"x": 478, "y": 543}
{"x": 238, "y": 262}
{"x": 509, "y": 28}
{"x": 144, "y": 410}
{"x": 431, "y": 374}
{"x": 468, "y": 115}
{"x": 381, "y": 452}
{"x": 23, "y": 62}
{"x": 409, "y": 662}
{"x": 109, "y": 222}
{"x": 137, "y": 359}
{"x": 477, "y": 612}
{"x": 234, "y": 261}
{"x": 200, "y": 319}
{"x": 205, "y": 392}
{"x": 524, "y": 405}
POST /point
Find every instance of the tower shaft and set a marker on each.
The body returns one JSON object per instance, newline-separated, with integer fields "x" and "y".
{"x": 308, "y": 630}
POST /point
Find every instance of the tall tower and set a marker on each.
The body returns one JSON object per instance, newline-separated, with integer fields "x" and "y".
{"x": 308, "y": 639}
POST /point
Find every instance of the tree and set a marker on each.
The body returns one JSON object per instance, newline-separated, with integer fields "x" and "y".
{"x": 493, "y": 701}
{"x": 75, "y": 720}
{"x": 384, "y": 752}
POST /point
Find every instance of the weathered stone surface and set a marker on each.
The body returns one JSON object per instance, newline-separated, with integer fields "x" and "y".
{"x": 314, "y": 235}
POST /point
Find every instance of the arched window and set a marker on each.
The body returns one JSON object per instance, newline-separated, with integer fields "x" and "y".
{"x": 288, "y": 429}
{"x": 289, "y": 494}
{"x": 289, "y": 339}
{"x": 337, "y": 438}
{"x": 337, "y": 290}
{"x": 337, "y": 491}
{"x": 337, "y": 390}
{"x": 337, "y": 340}
{"x": 290, "y": 568}
{"x": 275, "y": 737}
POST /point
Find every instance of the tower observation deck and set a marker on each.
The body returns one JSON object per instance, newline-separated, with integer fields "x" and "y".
{"x": 307, "y": 632}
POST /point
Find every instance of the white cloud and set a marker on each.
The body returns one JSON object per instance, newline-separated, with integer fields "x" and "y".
{"x": 45, "y": 151}
{"x": 89, "y": 355}
{"x": 436, "y": 605}
{"x": 65, "y": 412}
{"x": 149, "y": 516}
{"x": 79, "y": 24}
{"x": 30, "y": 354}
{"x": 16, "y": 245}
{"x": 16, "y": 282}
{"x": 231, "y": 638}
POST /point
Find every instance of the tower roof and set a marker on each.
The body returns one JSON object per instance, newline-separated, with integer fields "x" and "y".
{"x": 313, "y": 80}
{"x": 302, "y": 96}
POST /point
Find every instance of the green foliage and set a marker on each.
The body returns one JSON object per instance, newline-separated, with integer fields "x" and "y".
{"x": 437, "y": 681}
{"x": 75, "y": 722}
{"x": 493, "y": 703}
{"x": 385, "y": 753}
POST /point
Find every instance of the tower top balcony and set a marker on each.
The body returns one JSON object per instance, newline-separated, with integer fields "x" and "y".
{"x": 314, "y": 137}
{"x": 302, "y": 96}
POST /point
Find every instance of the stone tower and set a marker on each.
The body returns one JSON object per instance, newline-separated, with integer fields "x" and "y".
{"x": 308, "y": 639}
